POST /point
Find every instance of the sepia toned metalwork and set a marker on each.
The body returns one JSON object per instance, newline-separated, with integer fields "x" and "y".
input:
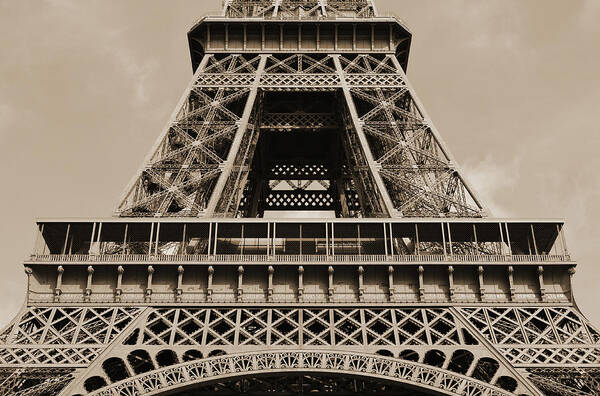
{"x": 300, "y": 227}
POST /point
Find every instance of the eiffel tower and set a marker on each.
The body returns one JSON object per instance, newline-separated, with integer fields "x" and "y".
{"x": 300, "y": 227}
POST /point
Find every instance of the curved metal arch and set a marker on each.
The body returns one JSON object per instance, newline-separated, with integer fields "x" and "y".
{"x": 186, "y": 375}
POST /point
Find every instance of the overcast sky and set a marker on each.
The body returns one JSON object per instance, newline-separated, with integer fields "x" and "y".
{"x": 87, "y": 85}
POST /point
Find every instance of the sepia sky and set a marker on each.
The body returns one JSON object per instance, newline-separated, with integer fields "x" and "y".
{"x": 87, "y": 85}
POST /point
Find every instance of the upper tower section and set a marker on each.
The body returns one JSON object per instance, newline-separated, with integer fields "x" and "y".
{"x": 309, "y": 26}
{"x": 297, "y": 9}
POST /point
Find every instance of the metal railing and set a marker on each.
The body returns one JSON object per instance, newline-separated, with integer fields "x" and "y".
{"x": 291, "y": 258}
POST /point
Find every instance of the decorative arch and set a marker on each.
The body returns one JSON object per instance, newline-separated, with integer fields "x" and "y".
{"x": 190, "y": 374}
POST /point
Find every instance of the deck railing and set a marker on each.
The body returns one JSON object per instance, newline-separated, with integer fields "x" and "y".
{"x": 307, "y": 259}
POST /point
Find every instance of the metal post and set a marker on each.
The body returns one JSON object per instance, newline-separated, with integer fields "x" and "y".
{"x": 216, "y": 239}
{"x": 157, "y": 238}
{"x": 443, "y": 238}
{"x": 124, "y": 250}
{"x": 359, "y": 242}
{"x": 534, "y": 241}
{"x": 417, "y": 239}
{"x": 564, "y": 241}
{"x": 270, "y": 271}
{"x": 361, "y": 287}
{"x": 450, "y": 239}
{"x": 333, "y": 239}
{"x": 242, "y": 242}
{"x": 508, "y": 239}
{"x": 150, "y": 239}
{"x": 64, "y": 249}
{"x": 300, "y": 283}
{"x": 501, "y": 239}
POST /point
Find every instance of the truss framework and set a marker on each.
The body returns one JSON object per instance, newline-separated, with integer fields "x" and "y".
{"x": 397, "y": 160}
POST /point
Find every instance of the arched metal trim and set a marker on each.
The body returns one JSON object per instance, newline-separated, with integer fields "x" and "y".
{"x": 187, "y": 375}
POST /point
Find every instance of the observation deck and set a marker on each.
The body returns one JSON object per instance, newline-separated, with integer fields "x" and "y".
{"x": 166, "y": 260}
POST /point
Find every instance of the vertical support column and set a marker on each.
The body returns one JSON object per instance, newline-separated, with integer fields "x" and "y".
{"x": 420, "y": 272}
{"x": 237, "y": 140}
{"x": 572, "y": 271}
{"x": 179, "y": 290}
{"x": 209, "y": 285}
{"x": 450, "y": 239}
{"x": 148, "y": 296}
{"x": 300, "y": 283}
{"x": 540, "y": 272}
{"x": 242, "y": 241}
{"x": 119, "y": 289}
{"x": 333, "y": 239}
{"x": 481, "y": 283}
{"x": 385, "y": 239}
{"x": 240, "y": 286}
{"x": 336, "y": 37}
{"x": 268, "y": 239}
{"x": 208, "y": 38}
{"x": 330, "y": 289}
{"x": 88, "y": 287}
{"x": 391, "y": 239}
{"x": 28, "y": 273}
{"x": 270, "y": 290}
{"x": 361, "y": 286}
{"x": 281, "y": 37}
{"x": 511, "y": 282}
{"x": 386, "y": 202}
{"x": 226, "y": 36}
{"x": 318, "y": 37}
{"x": 391, "y": 288}
{"x": 451, "y": 282}
{"x": 58, "y": 289}
{"x": 501, "y": 239}
{"x": 372, "y": 36}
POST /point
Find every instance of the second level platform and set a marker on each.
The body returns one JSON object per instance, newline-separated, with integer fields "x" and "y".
{"x": 300, "y": 241}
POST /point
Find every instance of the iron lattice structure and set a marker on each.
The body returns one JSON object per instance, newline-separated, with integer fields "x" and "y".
{"x": 300, "y": 226}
